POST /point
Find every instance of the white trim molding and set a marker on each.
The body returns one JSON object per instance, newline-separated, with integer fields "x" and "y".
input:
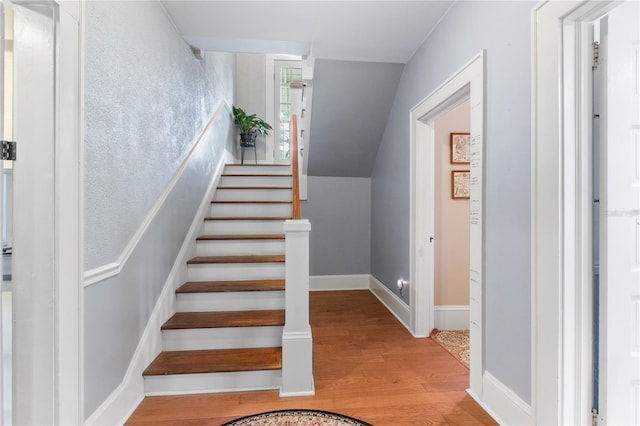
{"x": 503, "y": 404}
{"x": 561, "y": 262}
{"x": 469, "y": 82}
{"x": 339, "y": 282}
{"x": 101, "y": 273}
{"x": 47, "y": 313}
{"x": 117, "y": 408}
{"x": 451, "y": 317}
{"x": 394, "y": 304}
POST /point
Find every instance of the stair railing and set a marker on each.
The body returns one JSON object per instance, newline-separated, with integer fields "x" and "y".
{"x": 297, "y": 341}
{"x": 295, "y": 169}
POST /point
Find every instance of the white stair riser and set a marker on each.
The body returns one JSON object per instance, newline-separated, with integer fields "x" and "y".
{"x": 244, "y": 181}
{"x": 235, "y": 271}
{"x": 238, "y": 247}
{"x": 183, "y": 384}
{"x": 231, "y": 169}
{"x": 252, "y": 194}
{"x": 244, "y": 227}
{"x": 250, "y": 210}
{"x": 221, "y": 338}
{"x": 230, "y": 301}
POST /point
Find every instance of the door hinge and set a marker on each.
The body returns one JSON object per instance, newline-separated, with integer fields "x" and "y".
{"x": 9, "y": 150}
{"x": 596, "y": 48}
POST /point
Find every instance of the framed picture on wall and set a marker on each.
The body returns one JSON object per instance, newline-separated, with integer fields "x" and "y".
{"x": 460, "y": 184}
{"x": 460, "y": 143}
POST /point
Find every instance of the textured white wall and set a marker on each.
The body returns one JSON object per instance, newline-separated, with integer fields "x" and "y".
{"x": 146, "y": 100}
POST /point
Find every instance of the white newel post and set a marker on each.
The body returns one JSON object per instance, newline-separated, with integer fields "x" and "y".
{"x": 297, "y": 342}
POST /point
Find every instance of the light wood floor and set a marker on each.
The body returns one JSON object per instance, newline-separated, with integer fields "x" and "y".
{"x": 366, "y": 365}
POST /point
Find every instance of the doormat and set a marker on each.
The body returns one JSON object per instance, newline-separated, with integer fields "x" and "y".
{"x": 456, "y": 342}
{"x": 298, "y": 418}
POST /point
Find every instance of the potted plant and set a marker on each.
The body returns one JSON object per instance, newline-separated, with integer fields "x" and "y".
{"x": 250, "y": 126}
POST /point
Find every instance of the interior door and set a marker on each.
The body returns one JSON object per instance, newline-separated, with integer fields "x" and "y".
{"x": 34, "y": 298}
{"x": 620, "y": 217}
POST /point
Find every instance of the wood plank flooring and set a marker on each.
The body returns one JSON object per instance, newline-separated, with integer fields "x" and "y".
{"x": 366, "y": 365}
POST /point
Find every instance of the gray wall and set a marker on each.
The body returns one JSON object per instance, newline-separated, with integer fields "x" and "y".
{"x": 351, "y": 104}
{"x": 503, "y": 29}
{"x": 146, "y": 100}
{"x": 339, "y": 210}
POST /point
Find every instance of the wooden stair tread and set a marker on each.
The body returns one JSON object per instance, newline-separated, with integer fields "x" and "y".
{"x": 249, "y": 218}
{"x": 240, "y": 237}
{"x": 251, "y": 202}
{"x": 215, "y": 361}
{"x": 258, "y": 165}
{"x": 224, "y": 286}
{"x": 254, "y": 175}
{"x": 224, "y": 319}
{"x": 254, "y": 187}
{"x": 266, "y": 258}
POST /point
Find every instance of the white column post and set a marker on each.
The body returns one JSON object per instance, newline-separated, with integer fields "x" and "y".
{"x": 297, "y": 342}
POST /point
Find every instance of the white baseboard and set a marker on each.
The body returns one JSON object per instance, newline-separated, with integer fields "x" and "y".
{"x": 393, "y": 303}
{"x": 338, "y": 282}
{"x": 118, "y": 406}
{"x": 450, "y": 317}
{"x": 502, "y": 403}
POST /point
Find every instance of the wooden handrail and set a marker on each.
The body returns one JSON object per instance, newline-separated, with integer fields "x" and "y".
{"x": 294, "y": 169}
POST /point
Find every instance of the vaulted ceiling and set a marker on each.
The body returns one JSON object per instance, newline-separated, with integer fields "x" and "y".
{"x": 360, "y": 47}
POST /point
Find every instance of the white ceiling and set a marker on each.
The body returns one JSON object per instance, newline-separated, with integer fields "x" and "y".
{"x": 374, "y": 31}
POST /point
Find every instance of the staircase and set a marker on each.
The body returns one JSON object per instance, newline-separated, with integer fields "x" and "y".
{"x": 227, "y": 332}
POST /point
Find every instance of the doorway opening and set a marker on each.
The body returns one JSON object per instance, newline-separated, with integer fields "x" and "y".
{"x": 451, "y": 219}
{"x": 466, "y": 84}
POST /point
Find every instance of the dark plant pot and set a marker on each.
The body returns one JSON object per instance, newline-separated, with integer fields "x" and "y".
{"x": 248, "y": 139}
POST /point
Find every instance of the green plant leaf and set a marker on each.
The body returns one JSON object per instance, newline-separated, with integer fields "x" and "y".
{"x": 249, "y": 123}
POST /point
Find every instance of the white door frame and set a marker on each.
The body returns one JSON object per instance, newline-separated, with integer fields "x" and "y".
{"x": 270, "y": 112}
{"x": 561, "y": 210}
{"x": 48, "y": 383}
{"x": 466, "y": 83}
{"x": 2, "y": 216}
{"x": 68, "y": 213}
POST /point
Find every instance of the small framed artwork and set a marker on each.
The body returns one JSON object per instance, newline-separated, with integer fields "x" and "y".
{"x": 460, "y": 184}
{"x": 460, "y": 148}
